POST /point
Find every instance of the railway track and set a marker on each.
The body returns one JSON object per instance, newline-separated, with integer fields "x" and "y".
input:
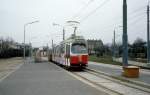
{"x": 110, "y": 85}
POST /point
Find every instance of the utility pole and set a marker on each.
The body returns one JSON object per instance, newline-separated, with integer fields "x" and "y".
{"x": 114, "y": 45}
{"x": 125, "y": 36}
{"x": 63, "y": 33}
{"x": 52, "y": 45}
{"x": 75, "y": 28}
{"x": 24, "y": 50}
{"x": 0, "y": 45}
{"x": 148, "y": 39}
{"x": 30, "y": 45}
{"x": 31, "y": 51}
{"x": 47, "y": 50}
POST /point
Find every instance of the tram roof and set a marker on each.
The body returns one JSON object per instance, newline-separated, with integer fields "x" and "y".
{"x": 73, "y": 39}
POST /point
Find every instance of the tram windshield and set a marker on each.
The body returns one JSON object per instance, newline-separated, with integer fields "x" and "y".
{"x": 78, "y": 48}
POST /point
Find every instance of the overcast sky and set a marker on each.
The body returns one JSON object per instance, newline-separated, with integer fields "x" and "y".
{"x": 98, "y": 19}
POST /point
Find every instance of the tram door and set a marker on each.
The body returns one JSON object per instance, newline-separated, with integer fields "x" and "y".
{"x": 67, "y": 61}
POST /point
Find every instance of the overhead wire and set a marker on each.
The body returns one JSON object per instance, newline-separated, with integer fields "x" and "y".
{"x": 134, "y": 15}
{"x": 111, "y": 27}
{"x": 130, "y": 22}
{"x": 92, "y": 12}
{"x": 101, "y": 5}
{"x": 134, "y": 22}
{"x": 83, "y": 8}
{"x": 138, "y": 9}
{"x": 132, "y": 12}
{"x": 131, "y": 16}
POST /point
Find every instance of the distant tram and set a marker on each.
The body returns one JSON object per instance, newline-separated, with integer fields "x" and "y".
{"x": 70, "y": 53}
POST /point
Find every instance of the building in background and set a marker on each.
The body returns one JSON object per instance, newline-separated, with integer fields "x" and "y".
{"x": 94, "y": 46}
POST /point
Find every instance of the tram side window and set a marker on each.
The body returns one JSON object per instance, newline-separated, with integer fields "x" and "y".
{"x": 62, "y": 49}
{"x": 54, "y": 52}
{"x": 59, "y": 51}
{"x": 68, "y": 50}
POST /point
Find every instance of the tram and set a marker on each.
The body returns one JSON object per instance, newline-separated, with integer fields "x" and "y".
{"x": 71, "y": 52}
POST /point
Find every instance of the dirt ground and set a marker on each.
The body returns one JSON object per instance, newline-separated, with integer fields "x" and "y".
{"x": 8, "y": 65}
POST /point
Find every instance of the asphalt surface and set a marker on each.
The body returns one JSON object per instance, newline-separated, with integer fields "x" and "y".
{"x": 117, "y": 71}
{"x": 44, "y": 79}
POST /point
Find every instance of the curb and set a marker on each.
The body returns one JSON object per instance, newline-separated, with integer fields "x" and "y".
{"x": 112, "y": 91}
{"x": 6, "y": 74}
{"x": 137, "y": 83}
{"x": 143, "y": 67}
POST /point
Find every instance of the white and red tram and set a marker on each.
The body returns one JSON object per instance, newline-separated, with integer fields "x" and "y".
{"x": 71, "y": 52}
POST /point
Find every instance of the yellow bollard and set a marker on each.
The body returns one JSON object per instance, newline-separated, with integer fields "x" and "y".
{"x": 131, "y": 71}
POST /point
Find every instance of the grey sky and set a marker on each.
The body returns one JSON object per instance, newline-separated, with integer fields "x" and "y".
{"x": 99, "y": 25}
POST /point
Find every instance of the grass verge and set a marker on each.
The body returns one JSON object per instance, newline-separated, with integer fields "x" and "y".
{"x": 138, "y": 60}
{"x": 104, "y": 60}
{"x": 6, "y": 64}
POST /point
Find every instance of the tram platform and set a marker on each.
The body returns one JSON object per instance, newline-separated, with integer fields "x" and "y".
{"x": 44, "y": 78}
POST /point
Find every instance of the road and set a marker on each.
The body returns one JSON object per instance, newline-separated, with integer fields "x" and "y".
{"x": 44, "y": 79}
{"x": 117, "y": 71}
{"x": 130, "y": 62}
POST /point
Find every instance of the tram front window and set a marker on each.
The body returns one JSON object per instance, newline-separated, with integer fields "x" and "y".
{"x": 78, "y": 48}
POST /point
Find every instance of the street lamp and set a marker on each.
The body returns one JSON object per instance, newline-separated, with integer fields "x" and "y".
{"x": 24, "y": 36}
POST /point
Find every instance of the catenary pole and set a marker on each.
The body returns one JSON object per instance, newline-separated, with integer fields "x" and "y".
{"x": 148, "y": 39}
{"x": 24, "y": 43}
{"x": 63, "y": 33}
{"x": 114, "y": 44}
{"x": 125, "y": 36}
{"x": 75, "y": 28}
